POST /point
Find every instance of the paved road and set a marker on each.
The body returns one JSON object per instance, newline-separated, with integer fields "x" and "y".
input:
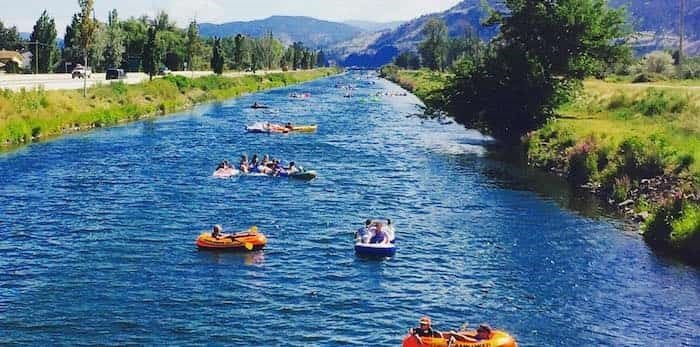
{"x": 64, "y": 81}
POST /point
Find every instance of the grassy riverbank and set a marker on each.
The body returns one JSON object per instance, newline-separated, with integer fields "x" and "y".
{"x": 26, "y": 116}
{"x": 636, "y": 145}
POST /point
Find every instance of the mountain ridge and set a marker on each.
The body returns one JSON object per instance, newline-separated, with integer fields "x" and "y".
{"x": 313, "y": 32}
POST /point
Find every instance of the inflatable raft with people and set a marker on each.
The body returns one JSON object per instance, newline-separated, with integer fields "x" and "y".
{"x": 248, "y": 240}
{"x": 266, "y": 168}
{"x": 377, "y": 239}
{"x": 484, "y": 336}
{"x": 274, "y": 128}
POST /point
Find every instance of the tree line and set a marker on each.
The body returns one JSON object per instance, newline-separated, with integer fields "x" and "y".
{"x": 148, "y": 44}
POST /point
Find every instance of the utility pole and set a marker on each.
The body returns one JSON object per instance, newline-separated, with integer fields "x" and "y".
{"x": 680, "y": 45}
{"x": 36, "y": 54}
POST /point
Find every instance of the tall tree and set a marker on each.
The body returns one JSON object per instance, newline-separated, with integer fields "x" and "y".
{"x": 151, "y": 58}
{"x": 434, "y": 48}
{"x": 321, "y": 59}
{"x": 72, "y": 52}
{"x": 135, "y": 37}
{"x": 217, "y": 58}
{"x": 240, "y": 52}
{"x": 192, "y": 43}
{"x": 162, "y": 22}
{"x": 298, "y": 50}
{"x": 98, "y": 47}
{"x": 544, "y": 50}
{"x": 87, "y": 32}
{"x": 9, "y": 37}
{"x": 114, "y": 49}
{"x": 43, "y": 40}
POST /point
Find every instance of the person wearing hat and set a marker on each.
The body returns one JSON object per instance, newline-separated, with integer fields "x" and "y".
{"x": 425, "y": 329}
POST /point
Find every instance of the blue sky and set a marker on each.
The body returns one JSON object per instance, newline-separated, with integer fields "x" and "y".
{"x": 24, "y": 13}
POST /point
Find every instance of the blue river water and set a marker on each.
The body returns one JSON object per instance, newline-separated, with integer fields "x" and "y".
{"x": 97, "y": 236}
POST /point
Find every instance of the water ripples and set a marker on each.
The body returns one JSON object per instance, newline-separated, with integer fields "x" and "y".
{"x": 97, "y": 237}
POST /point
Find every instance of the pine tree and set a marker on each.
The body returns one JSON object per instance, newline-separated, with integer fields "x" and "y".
{"x": 150, "y": 54}
{"x": 44, "y": 35}
{"x": 217, "y": 58}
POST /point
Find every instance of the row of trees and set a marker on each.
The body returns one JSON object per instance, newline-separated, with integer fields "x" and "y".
{"x": 438, "y": 51}
{"x": 147, "y": 44}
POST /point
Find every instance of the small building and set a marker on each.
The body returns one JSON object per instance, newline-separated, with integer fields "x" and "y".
{"x": 11, "y": 56}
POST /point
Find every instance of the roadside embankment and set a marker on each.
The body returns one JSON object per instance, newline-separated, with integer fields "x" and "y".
{"x": 635, "y": 145}
{"x": 27, "y": 116}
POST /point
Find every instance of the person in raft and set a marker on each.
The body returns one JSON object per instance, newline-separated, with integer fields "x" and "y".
{"x": 483, "y": 332}
{"x": 244, "y": 166}
{"x": 292, "y": 169}
{"x": 363, "y": 234}
{"x": 254, "y": 162}
{"x": 288, "y": 126}
{"x": 424, "y": 329}
{"x": 379, "y": 236}
{"x": 216, "y": 232}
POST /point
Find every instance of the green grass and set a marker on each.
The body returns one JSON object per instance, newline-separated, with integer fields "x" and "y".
{"x": 616, "y": 134}
{"x": 425, "y": 84}
{"x": 29, "y": 115}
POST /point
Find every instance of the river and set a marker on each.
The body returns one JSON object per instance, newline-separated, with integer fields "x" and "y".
{"x": 97, "y": 237}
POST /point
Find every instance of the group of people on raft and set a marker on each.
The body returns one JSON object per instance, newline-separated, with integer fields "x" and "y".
{"x": 267, "y": 166}
{"x": 425, "y": 329}
{"x": 374, "y": 232}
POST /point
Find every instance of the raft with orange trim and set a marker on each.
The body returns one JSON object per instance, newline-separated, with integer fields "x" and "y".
{"x": 461, "y": 339}
{"x": 249, "y": 240}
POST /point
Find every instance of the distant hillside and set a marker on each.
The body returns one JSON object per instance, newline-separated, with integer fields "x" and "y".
{"x": 655, "y": 20}
{"x": 373, "y": 26}
{"x": 313, "y": 32}
{"x": 381, "y": 49}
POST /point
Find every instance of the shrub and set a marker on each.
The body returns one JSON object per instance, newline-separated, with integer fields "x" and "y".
{"x": 119, "y": 88}
{"x": 686, "y": 229}
{"x": 684, "y": 162}
{"x": 658, "y": 229}
{"x": 639, "y": 159}
{"x": 645, "y": 77}
{"x": 657, "y": 62}
{"x": 621, "y": 188}
{"x": 583, "y": 161}
{"x": 658, "y": 102}
{"x": 619, "y": 100}
{"x": 183, "y": 83}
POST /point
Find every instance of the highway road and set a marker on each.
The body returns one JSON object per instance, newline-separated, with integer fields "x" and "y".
{"x": 58, "y": 81}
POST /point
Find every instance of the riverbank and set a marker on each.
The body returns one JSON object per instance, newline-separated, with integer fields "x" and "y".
{"x": 637, "y": 146}
{"x": 27, "y": 116}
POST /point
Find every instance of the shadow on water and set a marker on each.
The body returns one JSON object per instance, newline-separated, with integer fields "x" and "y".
{"x": 507, "y": 169}
{"x": 256, "y": 258}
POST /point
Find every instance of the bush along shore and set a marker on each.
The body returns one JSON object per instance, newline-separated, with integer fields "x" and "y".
{"x": 636, "y": 146}
{"x": 28, "y": 116}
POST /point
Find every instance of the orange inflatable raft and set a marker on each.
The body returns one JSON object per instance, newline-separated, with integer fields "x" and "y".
{"x": 249, "y": 240}
{"x": 461, "y": 339}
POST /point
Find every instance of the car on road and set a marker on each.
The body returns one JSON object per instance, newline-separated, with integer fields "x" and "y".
{"x": 164, "y": 71}
{"x": 81, "y": 72}
{"x": 115, "y": 74}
